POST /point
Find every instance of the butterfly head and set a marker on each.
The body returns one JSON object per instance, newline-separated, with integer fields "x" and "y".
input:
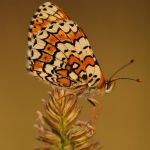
{"x": 108, "y": 85}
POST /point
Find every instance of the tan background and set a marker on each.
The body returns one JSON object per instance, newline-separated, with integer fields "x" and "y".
{"x": 118, "y": 31}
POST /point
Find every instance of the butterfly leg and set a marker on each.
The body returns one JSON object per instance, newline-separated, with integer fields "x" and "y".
{"x": 61, "y": 93}
{"x": 97, "y": 111}
{"x": 92, "y": 101}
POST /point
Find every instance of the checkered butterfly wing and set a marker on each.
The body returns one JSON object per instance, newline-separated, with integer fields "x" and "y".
{"x": 59, "y": 51}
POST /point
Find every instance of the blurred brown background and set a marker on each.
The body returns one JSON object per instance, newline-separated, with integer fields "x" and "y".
{"x": 118, "y": 30}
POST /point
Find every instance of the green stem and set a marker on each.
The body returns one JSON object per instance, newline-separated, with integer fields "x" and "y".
{"x": 62, "y": 134}
{"x": 62, "y": 144}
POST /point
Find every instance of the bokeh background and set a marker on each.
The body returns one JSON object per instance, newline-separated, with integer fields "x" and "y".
{"x": 118, "y": 30}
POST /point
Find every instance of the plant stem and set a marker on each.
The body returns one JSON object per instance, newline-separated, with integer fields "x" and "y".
{"x": 62, "y": 144}
{"x": 62, "y": 133}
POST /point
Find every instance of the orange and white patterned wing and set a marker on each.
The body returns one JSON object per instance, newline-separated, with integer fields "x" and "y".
{"x": 59, "y": 51}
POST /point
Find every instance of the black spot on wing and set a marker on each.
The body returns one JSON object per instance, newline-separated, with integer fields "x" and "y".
{"x": 84, "y": 77}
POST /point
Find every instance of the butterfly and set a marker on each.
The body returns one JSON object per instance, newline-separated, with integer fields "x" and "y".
{"x": 60, "y": 54}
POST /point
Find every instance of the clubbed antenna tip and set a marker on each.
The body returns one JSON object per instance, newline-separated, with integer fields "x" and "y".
{"x": 132, "y": 60}
{"x": 138, "y": 80}
{"x": 121, "y": 68}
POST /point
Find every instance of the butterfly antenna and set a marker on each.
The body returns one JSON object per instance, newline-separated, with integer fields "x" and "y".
{"x": 136, "y": 80}
{"x": 121, "y": 68}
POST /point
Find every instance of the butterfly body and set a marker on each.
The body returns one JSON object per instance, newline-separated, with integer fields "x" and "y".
{"x": 60, "y": 54}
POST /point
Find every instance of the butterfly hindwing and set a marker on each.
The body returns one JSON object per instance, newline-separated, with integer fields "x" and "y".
{"x": 59, "y": 51}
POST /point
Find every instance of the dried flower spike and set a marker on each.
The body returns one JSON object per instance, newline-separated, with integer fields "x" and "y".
{"x": 60, "y": 127}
